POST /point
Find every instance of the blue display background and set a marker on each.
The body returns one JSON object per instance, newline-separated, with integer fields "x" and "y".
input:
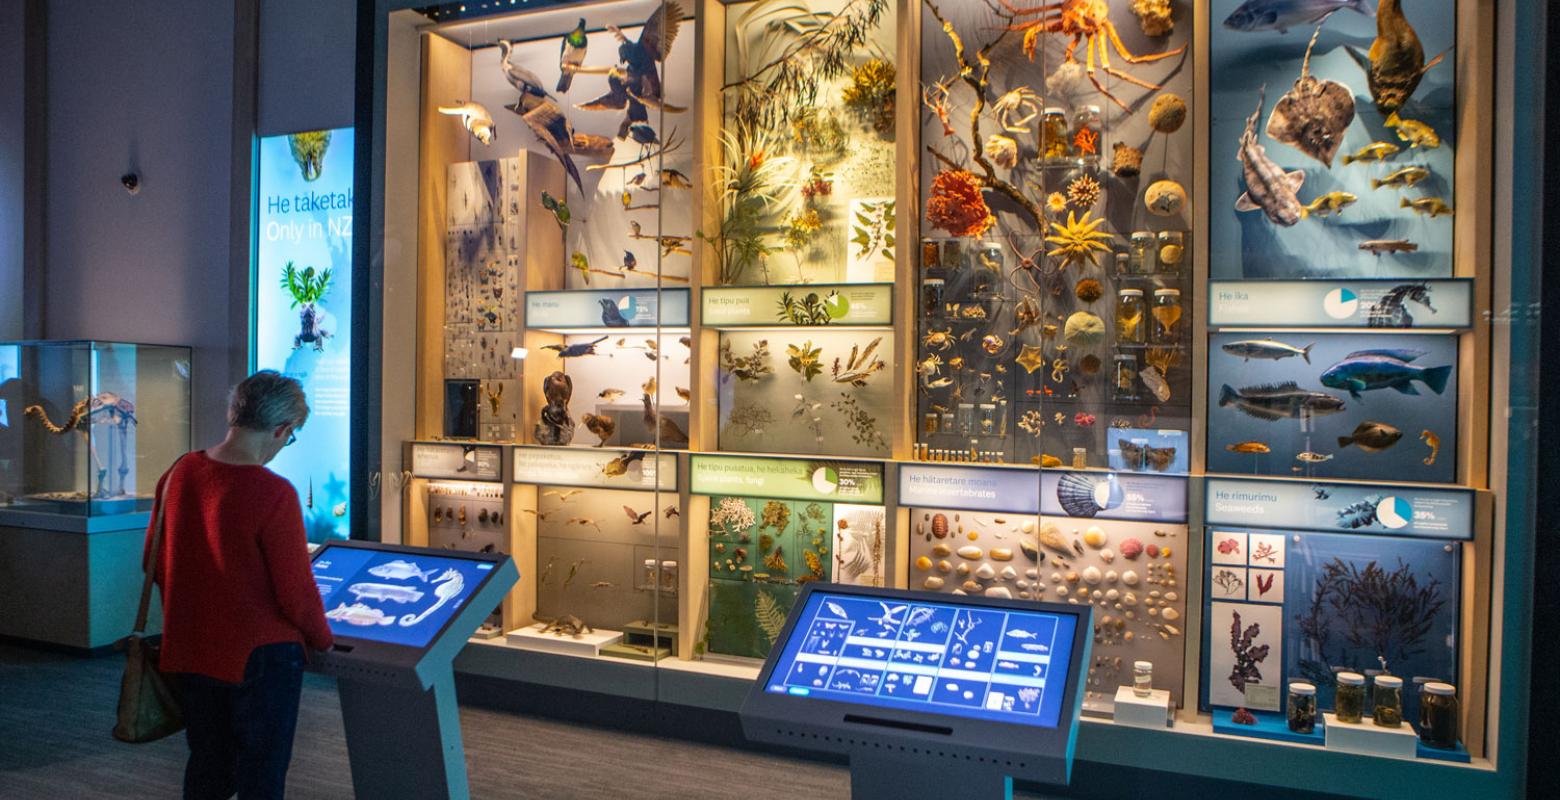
{"x": 317, "y": 464}
{"x": 337, "y": 570}
{"x": 936, "y": 658}
{"x": 1245, "y": 244}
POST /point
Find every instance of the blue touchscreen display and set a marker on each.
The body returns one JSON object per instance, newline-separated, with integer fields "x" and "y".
{"x": 395, "y": 598}
{"x": 984, "y": 663}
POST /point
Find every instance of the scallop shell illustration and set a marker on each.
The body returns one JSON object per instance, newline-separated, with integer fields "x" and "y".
{"x": 1084, "y": 496}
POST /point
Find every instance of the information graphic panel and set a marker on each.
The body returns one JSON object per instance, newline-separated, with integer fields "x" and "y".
{"x": 981, "y": 663}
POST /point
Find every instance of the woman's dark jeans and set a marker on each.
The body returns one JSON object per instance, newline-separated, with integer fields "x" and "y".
{"x": 241, "y": 735}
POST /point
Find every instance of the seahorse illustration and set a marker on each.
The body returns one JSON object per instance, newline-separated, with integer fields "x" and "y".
{"x": 1390, "y": 312}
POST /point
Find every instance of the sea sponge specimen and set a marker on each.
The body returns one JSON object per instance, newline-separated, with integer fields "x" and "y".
{"x": 1003, "y": 150}
{"x": 1089, "y": 290}
{"x": 1126, "y": 161}
{"x": 1168, "y": 113}
{"x": 956, "y": 204}
{"x": 1164, "y": 198}
{"x": 1154, "y": 16}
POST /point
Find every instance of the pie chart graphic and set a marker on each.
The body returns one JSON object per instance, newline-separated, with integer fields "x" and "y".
{"x": 1394, "y": 512}
{"x": 1341, "y": 303}
{"x": 825, "y": 480}
{"x": 837, "y": 305}
{"x": 628, "y": 307}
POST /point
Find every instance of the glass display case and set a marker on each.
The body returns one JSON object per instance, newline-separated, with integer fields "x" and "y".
{"x": 88, "y": 427}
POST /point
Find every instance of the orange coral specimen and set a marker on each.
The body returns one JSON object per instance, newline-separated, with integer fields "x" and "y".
{"x": 1086, "y": 142}
{"x": 956, "y": 204}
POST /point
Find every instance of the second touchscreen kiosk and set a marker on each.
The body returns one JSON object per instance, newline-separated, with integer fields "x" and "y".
{"x": 926, "y": 691}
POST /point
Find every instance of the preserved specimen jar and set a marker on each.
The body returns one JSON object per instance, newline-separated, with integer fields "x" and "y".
{"x": 1349, "y": 704}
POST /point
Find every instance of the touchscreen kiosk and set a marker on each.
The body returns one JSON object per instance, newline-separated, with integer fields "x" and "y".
{"x": 926, "y": 691}
{"x": 399, "y": 616}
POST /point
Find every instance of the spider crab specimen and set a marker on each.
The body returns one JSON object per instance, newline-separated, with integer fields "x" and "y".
{"x": 1086, "y": 22}
{"x": 1021, "y": 102}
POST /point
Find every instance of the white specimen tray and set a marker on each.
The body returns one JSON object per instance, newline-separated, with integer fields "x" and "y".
{"x": 1152, "y": 711}
{"x": 1366, "y": 738}
{"x": 531, "y": 637}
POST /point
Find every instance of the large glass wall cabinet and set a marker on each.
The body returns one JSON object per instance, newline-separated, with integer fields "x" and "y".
{"x": 1172, "y": 309}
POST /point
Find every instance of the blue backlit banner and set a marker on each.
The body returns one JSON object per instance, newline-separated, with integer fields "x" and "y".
{"x": 302, "y": 317}
{"x": 1396, "y": 510}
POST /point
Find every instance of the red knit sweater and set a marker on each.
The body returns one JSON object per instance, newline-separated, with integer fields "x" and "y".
{"x": 234, "y": 568}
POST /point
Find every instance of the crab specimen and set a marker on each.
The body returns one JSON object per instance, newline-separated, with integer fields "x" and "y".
{"x": 1078, "y": 240}
{"x": 929, "y": 366}
{"x": 938, "y": 340}
{"x": 566, "y": 625}
{"x": 1085, "y": 22}
{"x": 1016, "y": 109}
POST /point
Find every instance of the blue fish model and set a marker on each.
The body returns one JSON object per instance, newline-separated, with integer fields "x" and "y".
{"x": 1281, "y": 15}
{"x": 1364, "y": 370}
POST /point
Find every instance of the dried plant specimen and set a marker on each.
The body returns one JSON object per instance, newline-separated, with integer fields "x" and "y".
{"x": 775, "y": 561}
{"x": 732, "y": 515}
{"x": 809, "y": 309}
{"x": 777, "y": 515}
{"x": 804, "y": 359}
{"x": 806, "y": 412}
{"x": 751, "y": 419}
{"x": 769, "y": 615}
{"x": 863, "y": 426}
{"x": 862, "y": 364}
{"x": 752, "y": 367}
{"x": 870, "y": 93}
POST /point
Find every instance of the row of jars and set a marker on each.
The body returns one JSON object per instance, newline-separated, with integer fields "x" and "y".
{"x": 1063, "y": 143}
{"x": 1438, "y": 708}
{"x": 1138, "y": 324}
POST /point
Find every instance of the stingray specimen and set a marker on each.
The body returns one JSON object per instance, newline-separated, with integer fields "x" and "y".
{"x": 1312, "y": 116}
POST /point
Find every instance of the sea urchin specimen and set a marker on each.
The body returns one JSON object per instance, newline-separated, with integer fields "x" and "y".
{"x": 1078, "y": 240}
{"x": 1083, "y": 192}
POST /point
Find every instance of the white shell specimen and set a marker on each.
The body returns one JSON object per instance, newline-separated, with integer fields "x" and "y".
{"x": 1112, "y": 595}
{"x": 1056, "y": 577}
{"x": 971, "y": 586}
{"x": 999, "y": 591}
{"x": 1061, "y": 591}
{"x": 932, "y": 582}
{"x": 1008, "y": 573}
{"x": 944, "y": 567}
{"x": 1107, "y": 555}
{"x": 963, "y": 570}
{"x": 1130, "y": 577}
{"x": 971, "y": 552}
{"x": 1092, "y": 576}
{"x": 1129, "y": 599}
{"x": 1170, "y": 614}
{"x": 1095, "y": 537}
{"x": 941, "y": 550}
{"x": 986, "y": 572}
{"x": 1172, "y": 596}
{"x": 1032, "y": 573}
{"x": 1110, "y": 576}
{"x": 1028, "y": 526}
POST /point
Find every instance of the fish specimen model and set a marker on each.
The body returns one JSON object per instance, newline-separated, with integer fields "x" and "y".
{"x": 1281, "y": 15}
{"x": 1372, "y": 437}
{"x": 1311, "y": 457}
{"x": 1277, "y": 401}
{"x": 571, "y": 54}
{"x": 1365, "y": 370}
{"x": 400, "y": 570}
{"x": 601, "y": 425}
{"x": 1268, "y": 188}
{"x": 1312, "y": 116}
{"x": 611, "y": 316}
{"x": 1401, "y": 179}
{"x": 1434, "y": 443}
{"x": 1417, "y": 134}
{"x": 1378, "y": 246}
{"x": 475, "y": 116}
{"x": 1267, "y": 349}
{"x": 1254, "y": 448}
{"x": 1427, "y": 206}
{"x": 575, "y": 350}
{"x": 559, "y": 209}
{"x": 1396, "y": 60}
{"x": 1375, "y": 151}
{"x": 1330, "y": 204}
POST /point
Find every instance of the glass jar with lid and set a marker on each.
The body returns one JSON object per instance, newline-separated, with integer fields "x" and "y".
{"x": 1438, "y": 715}
{"x": 1302, "y": 707}
{"x": 1172, "y": 248}
{"x": 1387, "y": 701}
{"x": 1086, "y": 128}
{"x": 1131, "y": 317}
{"x": 1141, "y": 258}
{"x": 1349, "y": 702}
{"x": 1142, "y": 678}
{"x": 1124, "y": 373}
{"x": 1054, "y": 147}
{"x": 1167, "y": 317}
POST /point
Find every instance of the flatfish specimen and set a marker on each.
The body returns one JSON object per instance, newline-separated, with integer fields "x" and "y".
{"x": 1278, "y": 401}
{"x": 1312, "y": 116}
{"x": 1396, "y": 61}
{"x": 1372, "y": 437}
{"x": 1268, "y": 187}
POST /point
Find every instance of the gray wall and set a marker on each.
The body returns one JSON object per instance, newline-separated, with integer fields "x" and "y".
{"x": 12, "y": 56}
{"x": 306, "y": 65}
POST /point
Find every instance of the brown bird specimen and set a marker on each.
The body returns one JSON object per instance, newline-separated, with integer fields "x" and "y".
{"x": 669, "y": 431}
{"x": 637, "y": 517}
{"x": 601, "y": 425}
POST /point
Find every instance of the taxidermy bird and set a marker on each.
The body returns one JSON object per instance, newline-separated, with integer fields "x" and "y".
{"x": 642, "y": 133}
{"x": 475, "y": 117}
{"x": 634, "y": 82}
{"x": 670, "y": 432}
{"x": 559, "y": 209}
{"x": 601, "y": 425}
{"x": 611, "y": 316}
{"x": 673, "y": 179}
{"x": 630, "y": 261}
{"x": 571, "y": 54}
{"x": 526, "y": 81}
{"x": 575, "y": 350}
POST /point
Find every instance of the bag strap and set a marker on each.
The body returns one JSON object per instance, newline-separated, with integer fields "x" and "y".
{"x": 157, "y": 536}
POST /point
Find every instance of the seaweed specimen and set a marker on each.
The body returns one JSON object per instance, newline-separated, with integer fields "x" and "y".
{"x": 1229, "y": 583}
{"x": 732, "y": 516}
{"x": 863, "y": 426}
{"x": 1247, "y": 654}
{"x": 861, "y": 365}
{"x": 814, "y": 48}
{"x": 871, "y": 94}
{"x": 1359, "y": 613}
{"x": 769, "y": 614}
{"x": 804, "y": 360}
{"x": 872, "y": 231}
{"x": 752, "y": 367}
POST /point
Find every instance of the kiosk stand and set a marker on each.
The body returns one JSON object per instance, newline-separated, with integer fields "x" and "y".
{"x": 927, "y": 694}
{"x": 400, "y": 615}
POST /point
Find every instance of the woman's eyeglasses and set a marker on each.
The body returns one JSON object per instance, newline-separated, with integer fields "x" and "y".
{"x": 292, "y": 436}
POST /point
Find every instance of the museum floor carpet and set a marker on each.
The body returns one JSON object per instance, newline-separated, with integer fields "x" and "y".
{"x": 56, "y": 711}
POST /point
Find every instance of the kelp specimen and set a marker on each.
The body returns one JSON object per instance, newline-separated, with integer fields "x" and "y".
{"x": 1360, "y": 614}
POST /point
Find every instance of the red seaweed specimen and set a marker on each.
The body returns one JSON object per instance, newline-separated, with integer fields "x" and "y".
{"x": 1243, "y": 717}
{"x": 1247, "y": 656}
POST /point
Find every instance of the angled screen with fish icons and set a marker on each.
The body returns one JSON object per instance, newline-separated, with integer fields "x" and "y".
{"x": 973, "y": 661}
{"x": 391, "y": 597}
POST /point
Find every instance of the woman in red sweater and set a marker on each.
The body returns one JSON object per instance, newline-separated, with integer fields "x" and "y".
{"x": 238, "y": 594}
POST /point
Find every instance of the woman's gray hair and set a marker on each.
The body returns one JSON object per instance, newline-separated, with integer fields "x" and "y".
{"x": 267, "y": 400}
